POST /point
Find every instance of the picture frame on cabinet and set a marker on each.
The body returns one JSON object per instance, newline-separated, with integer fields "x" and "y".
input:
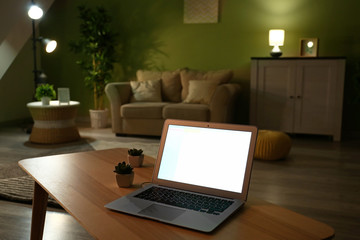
{"x": 309, "y": 47}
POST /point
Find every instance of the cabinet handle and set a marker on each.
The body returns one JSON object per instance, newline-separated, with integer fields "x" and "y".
{"x": 298, "y": 97}
{"x": 291, "y": 97}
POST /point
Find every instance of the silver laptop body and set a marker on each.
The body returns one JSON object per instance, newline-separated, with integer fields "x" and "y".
{"x": 209, "y": 159}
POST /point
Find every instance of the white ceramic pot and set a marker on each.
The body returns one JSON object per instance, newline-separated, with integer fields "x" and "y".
{"x": 125, "y": 180}
{"x": 136, "y": 161}
{"x": 45, "y": 100}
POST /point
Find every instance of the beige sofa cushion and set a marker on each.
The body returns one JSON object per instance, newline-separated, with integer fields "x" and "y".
{"x": 146, "y": 91}
{"x": 200, "y": 91}
{"x": 197, "y": 112}
{"x": 142, "y": 110}
{"x": 220, "y": 76}
{"x": 170, "y": 83}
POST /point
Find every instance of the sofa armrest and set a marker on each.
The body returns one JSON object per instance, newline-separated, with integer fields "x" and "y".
{"x": 118, "y": 93}
{"x": 223, "y": 103}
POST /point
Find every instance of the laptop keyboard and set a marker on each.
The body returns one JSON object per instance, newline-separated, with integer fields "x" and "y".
{"x": 186, "y": 200}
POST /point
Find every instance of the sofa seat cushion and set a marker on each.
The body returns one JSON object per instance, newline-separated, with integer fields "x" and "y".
{"x": 187, "y": 111}
{"x": 143, "y": 110}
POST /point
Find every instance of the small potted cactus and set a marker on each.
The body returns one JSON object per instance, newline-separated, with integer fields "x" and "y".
{"x": 124, "y": 174}
{"x": 135, "y": 157}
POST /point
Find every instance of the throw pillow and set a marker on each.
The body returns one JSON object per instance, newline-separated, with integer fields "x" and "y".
{"x": 146, "y": 91}
{"x": 170, "y": 83}
{"x": 220, "y": 76}
{"x": 200, "y": 91}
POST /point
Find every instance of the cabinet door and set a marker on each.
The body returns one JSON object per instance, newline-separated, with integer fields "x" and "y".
{"x": 315, "y": 96}
{"x": 272, "y": 87}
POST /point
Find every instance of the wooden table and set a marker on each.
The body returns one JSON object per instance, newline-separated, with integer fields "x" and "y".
{"x": 54, "y": 123}
{"x": 82, "y": 183}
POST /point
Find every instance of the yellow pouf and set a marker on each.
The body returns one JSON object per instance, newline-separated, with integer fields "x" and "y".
{"x": 272, "y": 145}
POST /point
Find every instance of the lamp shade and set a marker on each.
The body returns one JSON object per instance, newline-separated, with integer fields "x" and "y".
{"x": 276, "y": 37}
{"x": 50, "y": 45}
{"x": 35, "y": 12}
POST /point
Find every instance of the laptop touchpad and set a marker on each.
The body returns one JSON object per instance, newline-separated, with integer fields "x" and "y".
{"x": 162, "y": 212}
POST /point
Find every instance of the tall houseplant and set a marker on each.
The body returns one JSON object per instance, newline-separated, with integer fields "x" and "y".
{"x": 96, "y": 47}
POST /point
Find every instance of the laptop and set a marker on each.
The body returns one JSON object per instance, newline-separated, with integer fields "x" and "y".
{"x": 201, "y": 175}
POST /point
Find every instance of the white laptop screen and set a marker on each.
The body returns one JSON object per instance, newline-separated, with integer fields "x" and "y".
{"x": 206, "y": 157}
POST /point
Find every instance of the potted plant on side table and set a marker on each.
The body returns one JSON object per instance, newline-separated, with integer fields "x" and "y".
{"x": 135, "y": 157}
{"x": 44, "y": 93}
{"x": 97, "y": 49}
{"x": 124, "y": 174}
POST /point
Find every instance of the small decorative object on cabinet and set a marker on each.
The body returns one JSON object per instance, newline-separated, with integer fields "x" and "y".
{"x": 124, "y": 174}
{"x": 135, "y": 157}
{"x": 44, "y": 93}
{"x": 298, "y": 95}
{"x": 309, "y": 47}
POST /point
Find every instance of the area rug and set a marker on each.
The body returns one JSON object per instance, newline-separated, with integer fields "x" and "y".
{"x": 16, "y": 186}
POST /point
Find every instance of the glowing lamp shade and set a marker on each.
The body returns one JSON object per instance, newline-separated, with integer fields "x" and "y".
{"x": 35, "y": 12}
{"x": 276, "y": 39}
{"x": 50, "y": 45}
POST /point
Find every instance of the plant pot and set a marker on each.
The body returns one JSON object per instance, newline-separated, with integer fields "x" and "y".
{"x": 99, "y": 118}
{"x": 125, "y": 180}
{"x": 45, "y": 100}
{"x": 136, "y": 161}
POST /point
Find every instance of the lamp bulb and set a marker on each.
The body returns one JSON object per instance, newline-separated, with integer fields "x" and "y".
{"x": 50, "y": 46}
{"x": 35, "y": 12}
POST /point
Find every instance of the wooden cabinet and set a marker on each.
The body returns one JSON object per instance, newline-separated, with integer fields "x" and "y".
{"x": 298, "y": 95}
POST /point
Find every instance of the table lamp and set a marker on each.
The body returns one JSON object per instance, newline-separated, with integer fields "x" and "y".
{"x": 276, "y": 39}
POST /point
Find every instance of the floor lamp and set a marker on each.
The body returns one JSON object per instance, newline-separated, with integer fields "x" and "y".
{"x": 35, "y": 13}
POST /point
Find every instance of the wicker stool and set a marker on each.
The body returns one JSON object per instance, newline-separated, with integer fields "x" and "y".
{"x": 54, "y": 123}
{"x": 272, "y": 145}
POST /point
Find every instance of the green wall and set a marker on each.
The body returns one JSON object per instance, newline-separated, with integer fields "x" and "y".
{"x": 152, "y": 35}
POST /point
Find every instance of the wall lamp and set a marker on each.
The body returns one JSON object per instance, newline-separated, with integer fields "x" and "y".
{"x": 35, "y": 13}
{"x": 276, "y": 39}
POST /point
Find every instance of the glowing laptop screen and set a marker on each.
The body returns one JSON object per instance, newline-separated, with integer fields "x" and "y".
{"x": 207, "y": 157}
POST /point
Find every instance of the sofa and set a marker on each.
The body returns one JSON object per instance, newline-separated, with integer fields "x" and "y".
{"x": 140, "y": 107}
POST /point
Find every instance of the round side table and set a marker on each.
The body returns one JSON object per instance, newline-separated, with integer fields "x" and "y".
{"x": 54, "y": 123}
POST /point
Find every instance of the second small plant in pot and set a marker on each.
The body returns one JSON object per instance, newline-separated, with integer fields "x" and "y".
{"x": 44, "y": 93}
{"x": 124, "y": 174}
{"x": 135, "y": 157}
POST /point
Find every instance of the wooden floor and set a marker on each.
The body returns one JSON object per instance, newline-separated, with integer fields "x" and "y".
{"x": 320, "y": 179}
